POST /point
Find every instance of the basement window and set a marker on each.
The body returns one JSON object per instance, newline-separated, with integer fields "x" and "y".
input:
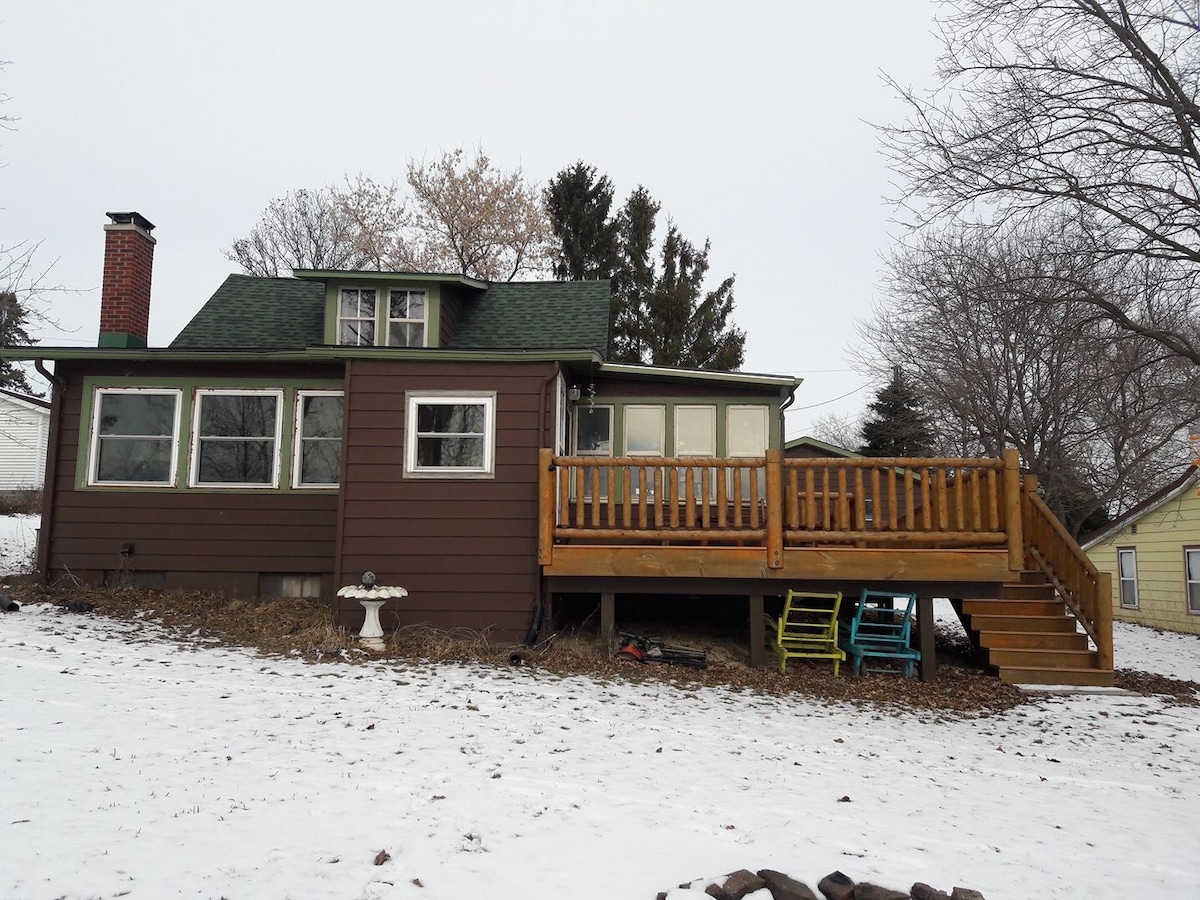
{"x": 302, "y": 587}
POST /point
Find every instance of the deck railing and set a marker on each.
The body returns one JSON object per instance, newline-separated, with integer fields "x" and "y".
{"x": 775, "y": 502}
{"x": 1085, "y": 590}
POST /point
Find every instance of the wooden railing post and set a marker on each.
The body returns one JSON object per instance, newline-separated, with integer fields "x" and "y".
{"x": 774, "y": 508}
{"x": 1012, "y": 510}
{"x": 546, "y": 506}
{"x": 1103, "y": 621}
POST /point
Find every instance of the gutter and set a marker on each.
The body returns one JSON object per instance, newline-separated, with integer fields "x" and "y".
{"x": 50, "y": 476}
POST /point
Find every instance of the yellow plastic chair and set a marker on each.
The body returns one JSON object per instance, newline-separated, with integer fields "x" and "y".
{"x": 808, "y": 629}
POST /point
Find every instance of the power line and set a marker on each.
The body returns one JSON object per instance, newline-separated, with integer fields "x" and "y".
{"x": 827, "y": 402}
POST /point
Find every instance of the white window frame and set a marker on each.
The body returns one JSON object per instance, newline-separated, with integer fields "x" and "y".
{"x": 1121, "y": 579}
{"x": 1188, "y": 581}
{"x": 93, "y": 479}
{"x": 298, "y": 438}
{"x": 486, "y": 399}
{"x": 604, "y": 473}
{"x": 194, "y": 466}
{"x": 766, "y": 443}
{"x": 662, "y": 429}
{"x": 423, "y": 322}
{"x": 681, "y": 475}
{"x": 373, "y": 318}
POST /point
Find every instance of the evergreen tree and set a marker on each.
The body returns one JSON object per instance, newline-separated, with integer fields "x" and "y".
{"x": 13, "y": 321}
{"x": 634, "y": 279}
{"x": 579, "y": 204}
{"x": 898, "y": 427}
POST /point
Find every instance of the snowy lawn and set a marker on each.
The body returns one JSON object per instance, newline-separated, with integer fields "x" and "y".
{"x": 18, "y": 542}
{"x": 137, "y": 765}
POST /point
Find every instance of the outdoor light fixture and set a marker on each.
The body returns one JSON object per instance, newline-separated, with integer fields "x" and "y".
{"x": 573, "y": 393}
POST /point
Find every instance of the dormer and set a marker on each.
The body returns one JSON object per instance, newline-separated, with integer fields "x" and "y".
{"x": 392, "y": 309}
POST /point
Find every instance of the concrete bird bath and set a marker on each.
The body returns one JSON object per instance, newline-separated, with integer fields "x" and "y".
{"x": 371, "y": 596}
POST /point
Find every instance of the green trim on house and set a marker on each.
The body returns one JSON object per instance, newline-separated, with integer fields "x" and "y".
{"x": 344, "y": 276}
{"x": 433, "y": 297}
{"x": 751, "y": 378}
{"x": 311, "y": 354}
{"x": 721, "y": 404}
{"x": 120, "y": 339}
{"x": 834, "y": 449}
{"x": 188, "y": 388}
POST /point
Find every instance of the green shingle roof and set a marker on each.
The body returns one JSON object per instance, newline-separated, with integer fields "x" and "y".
{"x": 536, "y": 315}
{"x": 249, "y": 313}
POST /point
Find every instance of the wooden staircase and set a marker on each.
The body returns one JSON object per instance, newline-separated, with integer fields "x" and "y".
{"x": 1030, "y": 636}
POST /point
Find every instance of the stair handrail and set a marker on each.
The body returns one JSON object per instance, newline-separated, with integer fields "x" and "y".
{"x": 1085, "y": 590}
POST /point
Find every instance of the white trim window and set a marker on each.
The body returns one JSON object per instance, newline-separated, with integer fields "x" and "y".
{"x": 408, "y": 314}
{"x": 748, "y": 434}
{"x": 356, "y": 317}
{"x": 235, "y": 438}
{"x": 1191, "y": 557}
{"x": 695, "y": 435}
{"x": 450, "y": 435}
{"x": 135, "y": 437}
{"x": 594, "y": 437}
{"x": 645, "y": 430}
{"x": 1127, "y": 577}
{"x": 317, "y": 459}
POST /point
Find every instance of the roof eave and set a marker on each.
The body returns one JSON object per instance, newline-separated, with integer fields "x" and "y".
{"x": 431, "y": 277}
{"x": 748, "y": 378}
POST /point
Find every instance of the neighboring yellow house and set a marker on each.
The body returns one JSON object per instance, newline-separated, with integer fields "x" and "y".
{"x": 1153, "y": 555}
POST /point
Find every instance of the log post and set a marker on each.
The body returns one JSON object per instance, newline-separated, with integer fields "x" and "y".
{"x": 1012, "y": 510}
{"x": 1104, "y": 620}
{"x": 545, "y": 506}
{"x": 774, "y": 509}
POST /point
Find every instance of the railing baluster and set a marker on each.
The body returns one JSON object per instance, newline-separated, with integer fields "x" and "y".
{"x": 594, "y": 479}
{"x": 893, "y": 520}
{"x": 810, "y": 499}
{"x": 658, "y": 497}
{"x": 706, "y": 475}
{"x": 579, "y": 496}
{"x": 843, "y": 502}
{"x": 910, "y": 512}
{"x": 755, "y": 517}
{"x": 876, "y": 498}
{"x": 643, "y": 500}
{"x": 792, "y": 500}
{"x": 737, "y": 497}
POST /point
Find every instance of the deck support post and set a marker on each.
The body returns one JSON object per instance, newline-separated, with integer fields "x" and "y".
{"x": 1012, "y": 510}
{"x": 758, "y": 636}
{"x": 774, "y": 509}
{"x": 1104, "y": 621}
{"x": 608, "y": 614}
{"x": 925, "y": 632}
{"x": 545, "y": 506}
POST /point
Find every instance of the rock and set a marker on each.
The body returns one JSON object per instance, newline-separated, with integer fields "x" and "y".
{"x": 8, "y": 604}
{"x": 922, "y": 891}
{"x": 867, "y": 891}
{"x": 836, "y": 886}
{"x": 783, "y": 887}
{"x": 962, "y": 893}
{"x": 735, "y": 885}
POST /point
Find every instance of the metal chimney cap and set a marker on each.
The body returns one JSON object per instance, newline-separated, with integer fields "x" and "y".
{"x": 131, "y": 218}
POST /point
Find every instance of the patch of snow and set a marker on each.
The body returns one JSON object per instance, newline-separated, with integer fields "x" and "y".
{"x": 18, "y": 543}
{"x": 136, "y": 765}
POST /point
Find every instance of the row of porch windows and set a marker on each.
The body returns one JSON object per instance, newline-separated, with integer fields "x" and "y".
{"x": 1128, "y": 579}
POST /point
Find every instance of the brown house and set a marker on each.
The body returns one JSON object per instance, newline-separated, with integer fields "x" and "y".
{"x": 470, "y": 442}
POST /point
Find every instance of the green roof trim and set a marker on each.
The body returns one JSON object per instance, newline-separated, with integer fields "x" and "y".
{"x": 535, "y": 315}
{"x": 251, "y": 313}
{"x": 348, "y": 275}
{"x": 747, "y": 378}
{"x": 311, "y": 354}
{"x": 807, "y": 441}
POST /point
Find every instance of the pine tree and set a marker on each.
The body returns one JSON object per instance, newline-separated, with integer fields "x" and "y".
{"x": 899, "y": 427}
{"x": 579, "y": 204}
{"x": 634, "y": 278}
{"x": 13, "y": 321}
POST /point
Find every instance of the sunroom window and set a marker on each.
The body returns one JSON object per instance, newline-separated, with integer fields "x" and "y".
{"x": 593, "y": 437}
{"x": 407, "y": 314}
{"x": 236, "y": 438}
{"x": 318, "y": 439}
{"x": 135, "y": 435}
{"x": 450, "y": 435}
{"x": 356, "y": 317}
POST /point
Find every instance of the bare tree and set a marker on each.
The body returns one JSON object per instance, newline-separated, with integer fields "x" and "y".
{"x": 843, "y": 431}
{"x": 304, "y": 229}
{"x": 1096, "y": 412}
{"x": 1082, "y": 109}
{"x": 469, "y": 216}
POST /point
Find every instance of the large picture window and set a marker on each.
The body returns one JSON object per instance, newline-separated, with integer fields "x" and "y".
{"x": 1127, "y": 577}
{"x": 236, "y": 438}
{"x": 318, "y": 449}
{"x": 450, "y": 435}
{"x": 407, "y": 314}
{"x": 1191, "y": 557}
{"x": 135, "y": 435}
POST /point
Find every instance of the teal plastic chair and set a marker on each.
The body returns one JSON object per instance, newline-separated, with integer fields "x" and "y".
{"x": 880, "y": 631}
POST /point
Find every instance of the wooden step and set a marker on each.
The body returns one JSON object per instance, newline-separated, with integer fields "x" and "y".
{"x": 1025, "y": 658}
{"x": 1059, "y": 623}
{"x": 1090, "y": 677}
{"x": 1034, "y": 640}
{"x": 1027, "y": 591}
{"x": 1031, "y": 607}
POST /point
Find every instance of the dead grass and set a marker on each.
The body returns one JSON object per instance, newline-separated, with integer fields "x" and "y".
{"x": 306, "y": 629}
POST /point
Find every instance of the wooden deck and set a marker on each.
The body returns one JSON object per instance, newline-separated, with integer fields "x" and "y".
{"x": 959, "y": 528}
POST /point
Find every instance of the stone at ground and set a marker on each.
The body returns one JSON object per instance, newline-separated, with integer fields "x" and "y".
{"x": 783, "y": 887}
{"x": 735, "y": 885}
{"x": 867, "y": 891}
{"x": 922, "y": 891}
{"x": 836, "y": 886}
{"x": 962, "y": 893}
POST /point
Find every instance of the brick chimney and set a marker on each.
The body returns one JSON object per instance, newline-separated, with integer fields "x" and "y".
{"x": 125, "y": 292}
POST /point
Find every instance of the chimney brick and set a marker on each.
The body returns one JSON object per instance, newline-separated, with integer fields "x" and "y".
{"x": 125, "y": 291}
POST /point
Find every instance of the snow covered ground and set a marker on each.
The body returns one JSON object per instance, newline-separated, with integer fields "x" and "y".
{"x": 18, "y": 542}
{"x": 141, "y": 766}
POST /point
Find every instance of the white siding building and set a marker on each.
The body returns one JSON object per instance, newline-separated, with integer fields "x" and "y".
{"x": 24, "y": 433}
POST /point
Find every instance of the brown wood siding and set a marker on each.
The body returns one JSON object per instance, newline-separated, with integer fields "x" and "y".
{"x": 465, "y": 549}
{"x": 204, "y": 540}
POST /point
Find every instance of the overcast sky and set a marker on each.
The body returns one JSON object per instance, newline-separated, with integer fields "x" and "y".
{"x": 747, "y": 121}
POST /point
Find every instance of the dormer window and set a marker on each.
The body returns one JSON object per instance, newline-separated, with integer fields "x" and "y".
{"x": 407, "y": 313}
{"x": 356, "y": 317}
